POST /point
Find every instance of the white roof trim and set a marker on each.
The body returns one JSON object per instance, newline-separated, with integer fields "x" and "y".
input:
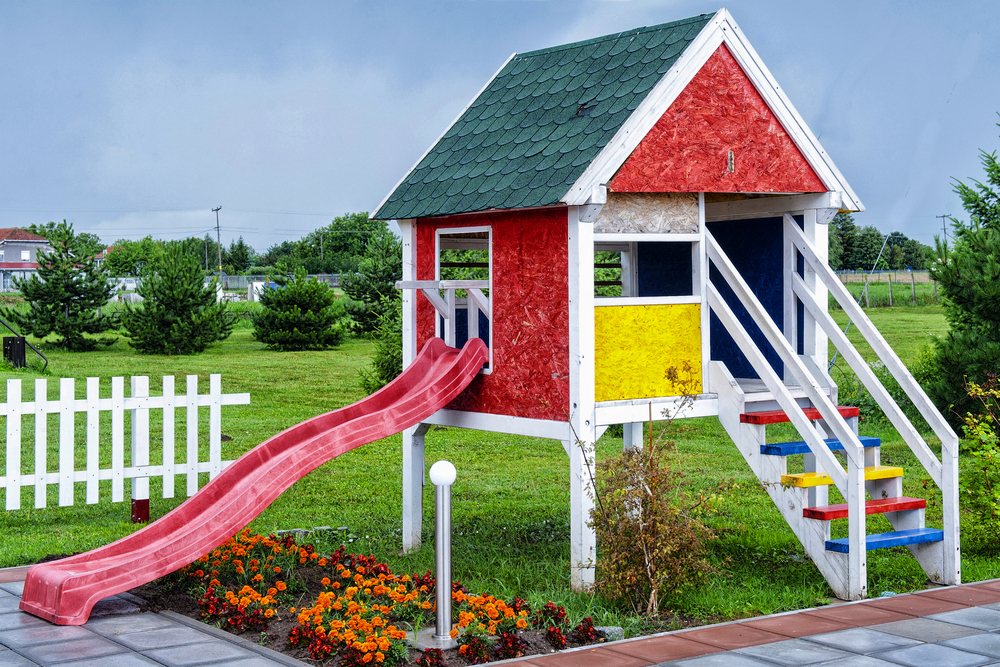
{"x": 721, "y": 29}
{"x": 441, "y": 136}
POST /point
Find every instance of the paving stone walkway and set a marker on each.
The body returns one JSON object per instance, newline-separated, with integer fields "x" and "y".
{"x": 956, "y": 626}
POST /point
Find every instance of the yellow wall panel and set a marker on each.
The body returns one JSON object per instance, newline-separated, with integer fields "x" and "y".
{"x": 637, "y": 345}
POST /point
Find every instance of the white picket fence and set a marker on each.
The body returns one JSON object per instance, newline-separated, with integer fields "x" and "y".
{"x": 139, "y": 404}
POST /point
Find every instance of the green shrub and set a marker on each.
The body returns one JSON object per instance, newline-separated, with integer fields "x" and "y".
{"x": 980, "y": 470}
{"x": 300, "y": 314}
{"x": 179, "y": 313}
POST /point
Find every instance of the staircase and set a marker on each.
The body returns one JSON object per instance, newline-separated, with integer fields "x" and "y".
{"x": 747, "y": 408}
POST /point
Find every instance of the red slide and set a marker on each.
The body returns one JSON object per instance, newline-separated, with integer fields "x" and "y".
{"x": 65, "y": 591}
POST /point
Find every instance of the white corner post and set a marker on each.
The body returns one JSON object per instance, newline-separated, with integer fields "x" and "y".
{"x": 413, "y": 438}
{"x": 582, "y": 410}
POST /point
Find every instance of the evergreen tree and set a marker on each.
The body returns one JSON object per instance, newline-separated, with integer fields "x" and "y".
{"x": 179, "y": 313}
{"x": 842, "y": 228}
{"x": 387, "y": 360}
{"x": 65, "y": 294}
{"x": 300, "y": 314}
{"x": 969, "y": 277}
{"x": 374, "y": 285}
{"x": 90, "y": 243}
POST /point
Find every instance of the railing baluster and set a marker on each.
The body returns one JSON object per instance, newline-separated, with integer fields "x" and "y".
{"x": 214, "y": 425}
{"x": 191, "y": 402}
{"x": 67, "y": 427}
{"x": 117, "y": 439}
{"x": 13, "y": 415}
{"x": 93, "y": 439}
{"x": 41, "y": 443}
{"x": 169, "y": 400}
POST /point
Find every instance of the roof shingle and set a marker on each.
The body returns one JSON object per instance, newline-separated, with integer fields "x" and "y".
{"x": 539, "y": 123}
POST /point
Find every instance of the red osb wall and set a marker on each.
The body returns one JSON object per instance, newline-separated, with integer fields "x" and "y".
{"x": 688, "y": 148}
{"x": 530, "y": 323}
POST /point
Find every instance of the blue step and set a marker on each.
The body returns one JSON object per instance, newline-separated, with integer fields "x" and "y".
{"x": 800, "y": 446}
{"x": 885, "y": 540}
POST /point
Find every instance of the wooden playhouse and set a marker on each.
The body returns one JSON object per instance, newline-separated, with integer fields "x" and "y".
{"x": 672, "y": 156}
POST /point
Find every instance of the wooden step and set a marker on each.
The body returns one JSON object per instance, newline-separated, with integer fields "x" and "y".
{"x": 806, "y": 479}
{"x": 779, "y": 416}
{"x": 880, "y": 506}
{"x": 800, "y": 447}
{"x": 885, "y": 540}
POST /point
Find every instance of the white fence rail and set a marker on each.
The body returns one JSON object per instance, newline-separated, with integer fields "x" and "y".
{"x": 138, "y": 403}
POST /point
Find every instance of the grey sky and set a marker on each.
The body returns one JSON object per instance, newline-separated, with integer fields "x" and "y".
{"x": 135, "y": 118}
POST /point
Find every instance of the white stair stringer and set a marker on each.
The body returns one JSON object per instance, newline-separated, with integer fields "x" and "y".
{"x": 789, "y": 500}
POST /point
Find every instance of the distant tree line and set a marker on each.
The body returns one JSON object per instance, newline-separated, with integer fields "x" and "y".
{"x": 856, "y": 249}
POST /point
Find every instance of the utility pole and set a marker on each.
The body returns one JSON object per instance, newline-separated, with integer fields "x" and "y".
{"x": 218, "y": 235}
{"x": 944, "y": 226}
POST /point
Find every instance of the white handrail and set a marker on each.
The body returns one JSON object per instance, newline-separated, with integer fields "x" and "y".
{"x": 941, "y": 428}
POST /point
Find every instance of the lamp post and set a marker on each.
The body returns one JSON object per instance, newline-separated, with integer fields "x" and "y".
{"x": 218, "y": 237}
{"x": 442, "y": 475}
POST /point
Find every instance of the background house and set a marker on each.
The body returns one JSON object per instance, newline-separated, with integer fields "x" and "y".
{"x": 19, "y": 252}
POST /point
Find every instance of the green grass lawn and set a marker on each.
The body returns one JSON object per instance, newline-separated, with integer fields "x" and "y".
{"x": 511, "y": 498}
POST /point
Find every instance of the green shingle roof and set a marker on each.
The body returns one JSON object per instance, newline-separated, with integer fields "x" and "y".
{"x": 532, "y": 132}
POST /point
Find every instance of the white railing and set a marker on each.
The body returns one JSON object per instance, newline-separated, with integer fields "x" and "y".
{"x": 944, "y": 472}
{"x": 138, "y": 403}
{"x": 447, "y": 304}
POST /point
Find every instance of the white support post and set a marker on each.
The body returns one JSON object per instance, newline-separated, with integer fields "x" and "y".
{"x": 701, "y": 280}
{"x": 67, "y": 395}
{"x": 789, "y": 301}
{"x": 408, "y": 229}
{"x": 13, "y": 419}
{"x": 816, "y": 344}
{"x": 632, "y": 435}
{"x": 41, "y": 443}
{"x": 857, "y": 557}
{"x": 413, "y": 485}
{"x": 140, "y": 449}
{"x": 93, "y": 439}
{"x": 583, "y": 417}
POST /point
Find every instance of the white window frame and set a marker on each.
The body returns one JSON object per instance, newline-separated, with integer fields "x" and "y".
{"x": 438, "y": 233}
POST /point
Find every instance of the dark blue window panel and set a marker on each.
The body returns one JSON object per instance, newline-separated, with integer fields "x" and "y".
{"x": 755, "y": 248}
{"x": 462, "y": 327}
{"x": 664, "y": 269}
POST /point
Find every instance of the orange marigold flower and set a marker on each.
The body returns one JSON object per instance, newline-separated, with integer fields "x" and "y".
{"x": 522, "y": 623}
{"x": 277, "y": 570}
{"x": 258, "y": 577}
{"x": 379, "y": 657}
{"x": 345, "y": 574}
{"x": 280, "y": 585}
{"x": 269, "y": 613}
{"x": 325, "y": 581}
{"x": 454, "y": 633}
{"x": 322, "y": 562}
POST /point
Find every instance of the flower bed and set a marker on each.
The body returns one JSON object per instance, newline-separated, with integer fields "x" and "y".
{"x": 348, "y": 609}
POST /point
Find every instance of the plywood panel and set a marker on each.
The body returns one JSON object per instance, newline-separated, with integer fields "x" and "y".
{"x": 632, "y": 213}
{"x": 637, "y": 346}
{"x": 530, "y": 326}
{"x": 689, "y": 147}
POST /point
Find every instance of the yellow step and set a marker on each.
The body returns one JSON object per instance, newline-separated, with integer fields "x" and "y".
{"x": 806, "y": 479}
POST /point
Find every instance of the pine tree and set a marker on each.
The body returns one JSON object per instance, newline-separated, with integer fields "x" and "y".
{"x": 374, "y": 285}
{"x": 65, "y": 295}
{"x": 969, "y": 277}
{"x": 179, "y": 313}
{"x": 300, "y": 314}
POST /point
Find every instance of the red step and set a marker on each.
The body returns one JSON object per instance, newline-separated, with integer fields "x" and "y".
{"x": 779, "y": 416}
{"x": 881, "y": 506}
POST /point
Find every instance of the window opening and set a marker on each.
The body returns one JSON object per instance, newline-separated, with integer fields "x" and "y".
{"x": 466, "y": 255}
{"x": 607, "y": 273}
{"x": 25, "y": 255}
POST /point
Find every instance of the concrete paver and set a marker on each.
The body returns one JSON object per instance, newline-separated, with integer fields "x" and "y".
{"x": 980, "y": 618}
{"x": 987, "y": 644}
{"x": 925, "y": 629}
{"x": 90, "y": 648}
{"x": 862, "y": 640}
{"x": 214, "y": 651}
{"x": 935, "y": 655}
{"x": 793, "y": 652}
